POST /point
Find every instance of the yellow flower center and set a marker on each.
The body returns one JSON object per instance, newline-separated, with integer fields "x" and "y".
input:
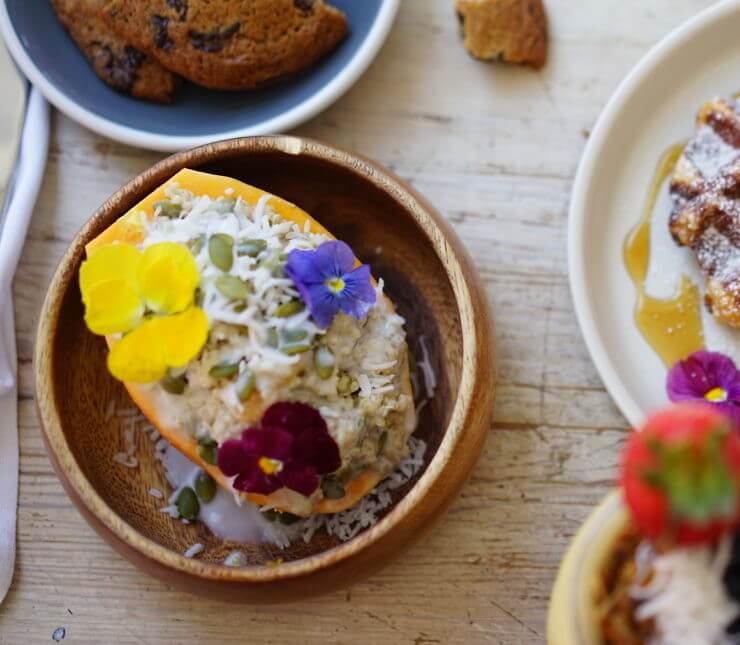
{"x": 716, "y": 395}
{"x": 270, "y": 466}
{"x": 335, "y": 284}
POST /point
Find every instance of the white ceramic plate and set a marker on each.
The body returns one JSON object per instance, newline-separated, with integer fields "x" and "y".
{"x": 652, "y": 109}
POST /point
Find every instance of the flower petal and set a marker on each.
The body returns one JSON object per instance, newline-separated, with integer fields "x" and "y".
{"x": 358, "y": 295}
{"x": 315, "y": 446}
{"x": 301, "y": 478}
{"x": 233, "y": 458}
{"x": 109, "y": 262}
{"x": 273, "y": 443}
{"x": 182, "y": 336}
{"x": 112, "y": 307}
{"x": 255, "y": 481}
{"x": 292, "y": 416}
{"x": 168, "y": 277}
{"x": 334, "y": 259}
{"x": 693, "y": 377}
{"x": 138, "y": 356}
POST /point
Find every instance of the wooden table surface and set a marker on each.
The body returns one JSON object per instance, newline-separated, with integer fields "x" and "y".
{"x": 496, "y": 149}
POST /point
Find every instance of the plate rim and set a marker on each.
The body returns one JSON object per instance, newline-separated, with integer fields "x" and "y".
{"x": 286, "y": 120}
{"x": 612, "y": 111}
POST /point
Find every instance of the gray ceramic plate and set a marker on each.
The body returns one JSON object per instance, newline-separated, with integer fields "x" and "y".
{"x": 47, "y": 55}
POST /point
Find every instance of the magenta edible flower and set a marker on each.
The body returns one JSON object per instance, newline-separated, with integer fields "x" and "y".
{"x": 329, "y": 283}
{"x": 709, "y": 377}
{"x": 290, "y": 449}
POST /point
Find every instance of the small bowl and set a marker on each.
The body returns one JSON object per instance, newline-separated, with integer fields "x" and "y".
{"x": 572, "y": 618}
{"x": 427, "y": 273}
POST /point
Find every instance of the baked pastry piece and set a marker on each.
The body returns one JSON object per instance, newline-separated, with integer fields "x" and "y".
{"x": 705, "y": 188}
{"x": 120, "y": 65}
{"x": 514, "y": 31}
{"x": 230, "y": 44}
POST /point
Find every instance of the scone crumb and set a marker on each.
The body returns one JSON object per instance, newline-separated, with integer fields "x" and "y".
{"x": 513, "y": 31}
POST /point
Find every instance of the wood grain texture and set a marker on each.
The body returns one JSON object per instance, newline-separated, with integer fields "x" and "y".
{"x": 428, "y": 276}
{"x": 494, "y": 149}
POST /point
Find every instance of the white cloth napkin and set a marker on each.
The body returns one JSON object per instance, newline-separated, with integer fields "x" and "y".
{"x": 24, "y": 189}
{"x": 8, "y": 455}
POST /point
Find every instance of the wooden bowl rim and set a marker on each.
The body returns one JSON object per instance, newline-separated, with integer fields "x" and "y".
{"x": 477, "y": 334}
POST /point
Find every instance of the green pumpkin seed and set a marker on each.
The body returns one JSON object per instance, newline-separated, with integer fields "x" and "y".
{"x": 292, "y": 350}
{"x": 251, "y": 248}
{"x": 233, "y": 288}
{"x": 224, "y": 370}
{"x": 208, "y": 450}
{"x": 344, "y": 384}
{"x": 196, "y": 244}
{"x": 323, "y": 361}
{"x": 332, "y": 487}
{"x": 271, "y": 515}
{"x": 242, "y": 306}
{"x": 382, "y": 440}
{"x": 288, "y": 518}
{"x": 273, "y": 265}
{"x": 225, "y": 205}
{"x": 289, "y": 309}
{"x": 167, "y": 209}
{"x": 173, "y": 384}
{"x": 294, "y": 335}
{"x": 245, "y": 385}
{"x": 187, "y": 504}
{"x": 205, "y": 486}
{"x": 221, "y": 251}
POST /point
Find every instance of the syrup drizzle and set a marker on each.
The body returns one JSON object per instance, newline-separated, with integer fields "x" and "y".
{"x": 672, "y": 327}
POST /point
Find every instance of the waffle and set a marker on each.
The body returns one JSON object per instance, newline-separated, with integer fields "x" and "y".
{"x": 705, "y": 188}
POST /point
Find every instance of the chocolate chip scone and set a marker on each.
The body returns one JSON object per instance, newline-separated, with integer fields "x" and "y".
{"x": 114, "y": 60}
{"x": 230, "y": 44}
{"x": 705, "y": 188}
{"x": 513, "y": 31}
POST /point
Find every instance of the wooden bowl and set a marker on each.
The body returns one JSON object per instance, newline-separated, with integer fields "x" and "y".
{"x": 427, "y": 274}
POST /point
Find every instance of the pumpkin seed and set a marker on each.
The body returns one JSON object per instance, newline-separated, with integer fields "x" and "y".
{"x": 273, "y": 265}
{"x": 167, "y": 209}
{"x": 294, "y": 335}
{"x": 221, "y": 251}
{"x": 224, "y": 370}
{"x": 208, "y": 450}
{"x": 173, "y": 384}
{"x": 233, "y": 288}
{"x": 292, "y": 350}
{"x": 196, "y": 244}
{"x": 344, "y": 384}
{"x": 288, "y": 309}
{"x": 323, "y": 360}
{"x": 252, "y": 248}
{"x": 245, "y": 385}
{"x": 332, "y": 487}
{"x": 187, "y": 504}
{"x": 225, "y": 205}
{"x": 288, "y": 518}
{"x": 205, "y": 486}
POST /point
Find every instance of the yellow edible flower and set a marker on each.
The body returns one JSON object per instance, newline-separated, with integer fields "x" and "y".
{"x": 120, "y": 284}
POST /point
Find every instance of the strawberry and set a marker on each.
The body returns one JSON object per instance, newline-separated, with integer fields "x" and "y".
{"x": 681, "y": 476}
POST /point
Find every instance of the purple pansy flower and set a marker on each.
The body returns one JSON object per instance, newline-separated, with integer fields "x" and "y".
{"x": 329, "y": 283}
{"x": 710, "y": 377}
{"x": 290, "y": 449}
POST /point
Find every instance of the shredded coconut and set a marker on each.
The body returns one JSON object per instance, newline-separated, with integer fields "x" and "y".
{"x": 156, "y": 493}
{"x": 194, "y": 550}
{"x": 686, "y": 598}
{"x": 430, "y": 378}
